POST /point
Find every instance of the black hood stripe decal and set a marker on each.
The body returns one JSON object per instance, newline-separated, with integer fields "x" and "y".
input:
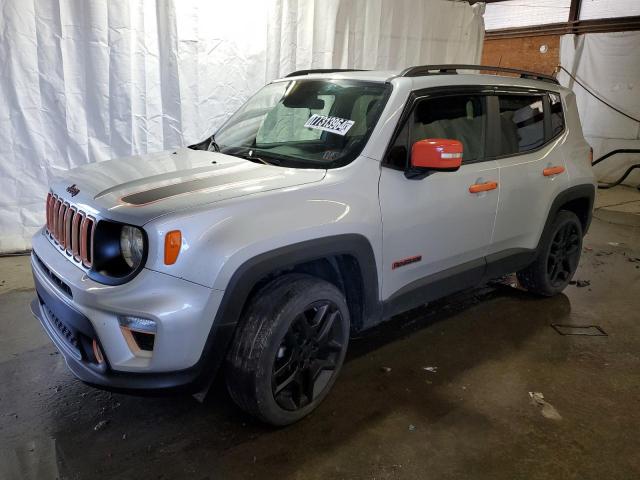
{"x": 192, "y": 186}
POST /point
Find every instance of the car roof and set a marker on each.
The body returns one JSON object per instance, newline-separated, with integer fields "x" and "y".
{"x": 429, "y": 80}
{"x": 370, "y": 75}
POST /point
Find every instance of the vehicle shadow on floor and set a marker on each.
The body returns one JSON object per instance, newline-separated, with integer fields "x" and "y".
{"x": 394, "y": 375}
{"x": 383, "y": 380}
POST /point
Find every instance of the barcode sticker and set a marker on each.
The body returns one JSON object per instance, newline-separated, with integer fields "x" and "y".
{"x": 339, "y": 126}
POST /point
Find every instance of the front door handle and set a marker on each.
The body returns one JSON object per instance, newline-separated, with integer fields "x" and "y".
{"x": 483, "y": 187}
{"x": 550, "y": 171}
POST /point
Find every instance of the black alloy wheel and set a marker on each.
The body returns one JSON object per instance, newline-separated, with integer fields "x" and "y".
{"x": 564, "y": 254}
{"x": 308, "y": 355}
{"x": 557, "y": 257}
{"x": 289, "y": 348}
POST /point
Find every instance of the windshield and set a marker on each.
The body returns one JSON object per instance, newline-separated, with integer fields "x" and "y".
{"x": 305, "y": 123}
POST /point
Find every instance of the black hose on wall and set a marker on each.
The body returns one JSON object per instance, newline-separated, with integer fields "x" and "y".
{"x": 604, "y": 186}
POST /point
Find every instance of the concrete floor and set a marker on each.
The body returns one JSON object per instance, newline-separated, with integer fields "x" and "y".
{"x": 620, "y": 205}
{"x": 472, "y": 417}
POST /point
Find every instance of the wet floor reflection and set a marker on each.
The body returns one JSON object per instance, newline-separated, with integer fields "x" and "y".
{"x": 105, "y": 435}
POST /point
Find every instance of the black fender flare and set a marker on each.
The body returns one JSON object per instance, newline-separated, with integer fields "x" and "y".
{"x": 247, "y": 276}
{"x": 576, "y": 192}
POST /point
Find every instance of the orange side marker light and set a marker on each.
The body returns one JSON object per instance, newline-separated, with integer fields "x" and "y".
{"x": 172, "y": 244}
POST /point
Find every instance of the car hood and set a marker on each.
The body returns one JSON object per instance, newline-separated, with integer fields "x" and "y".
{"x": 137, "y": 189}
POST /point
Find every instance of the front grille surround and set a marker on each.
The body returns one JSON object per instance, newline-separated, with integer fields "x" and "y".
{"x": 70, "y": 229}
{"x": 90, "y": 241}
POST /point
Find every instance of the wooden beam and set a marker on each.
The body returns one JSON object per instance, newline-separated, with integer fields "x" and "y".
{"x": 574, "y": 10}
{"x": 622, "y": 24}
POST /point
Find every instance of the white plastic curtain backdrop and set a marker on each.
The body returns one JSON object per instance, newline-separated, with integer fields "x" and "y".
{"x": 87, "y": 80}
{"x": 609, "y": 64}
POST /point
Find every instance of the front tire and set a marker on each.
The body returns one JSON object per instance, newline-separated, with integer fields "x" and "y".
{"x": 557, "y": 259}
{"x": 289, "y": 349}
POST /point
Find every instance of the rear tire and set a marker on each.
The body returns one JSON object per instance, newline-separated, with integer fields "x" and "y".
{"x": 557, "y": 259}
{"x": 290, "y": 345}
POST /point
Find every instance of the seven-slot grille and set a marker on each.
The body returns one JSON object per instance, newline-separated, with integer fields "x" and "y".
{"x": 71, "y": 229}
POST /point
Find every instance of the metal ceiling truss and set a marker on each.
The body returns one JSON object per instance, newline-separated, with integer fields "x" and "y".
{"x": 572, "y": 25}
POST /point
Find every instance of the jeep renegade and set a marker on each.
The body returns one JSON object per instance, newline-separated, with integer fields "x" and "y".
{"x": 330, "y": 201}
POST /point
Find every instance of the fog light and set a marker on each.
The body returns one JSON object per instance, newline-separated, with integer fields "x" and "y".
{"x": 139, "y": 333}
{"x": 138, "y": 324}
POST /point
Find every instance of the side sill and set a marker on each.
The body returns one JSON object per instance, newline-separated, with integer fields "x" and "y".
{"x": 434, "y": 286}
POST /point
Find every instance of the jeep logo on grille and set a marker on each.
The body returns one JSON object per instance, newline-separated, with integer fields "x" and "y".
{"x": 73, "y": 190}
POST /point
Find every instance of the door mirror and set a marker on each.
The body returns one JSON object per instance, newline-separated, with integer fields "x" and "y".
{"x": 438, "y": 154}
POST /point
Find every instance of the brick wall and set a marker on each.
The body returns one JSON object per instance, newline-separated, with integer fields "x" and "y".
{"x": 523, "y": 53}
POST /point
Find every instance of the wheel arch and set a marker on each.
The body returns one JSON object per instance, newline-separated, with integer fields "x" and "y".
{"x": 578, "y": 199}
{"x": 346, "y": 260}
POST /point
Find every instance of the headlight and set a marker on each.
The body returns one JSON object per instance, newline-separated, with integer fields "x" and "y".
{"x": 119, "y": 252}
{"x": 131, "y": 245}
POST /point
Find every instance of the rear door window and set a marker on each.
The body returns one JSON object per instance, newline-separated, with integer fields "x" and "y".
{"x": 521, "y": 123}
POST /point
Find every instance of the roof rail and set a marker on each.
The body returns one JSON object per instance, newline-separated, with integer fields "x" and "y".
{"x": 423, "y": 70}
{"x": 322, "y": 70}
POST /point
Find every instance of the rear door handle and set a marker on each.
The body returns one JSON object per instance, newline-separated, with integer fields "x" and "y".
{"x": 483, "y": 187}
{"x": 550, "y": 171}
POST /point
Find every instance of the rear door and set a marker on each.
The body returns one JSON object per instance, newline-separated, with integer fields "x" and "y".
{"x": 434, "y": 229}
{"x": 525, "y": 133}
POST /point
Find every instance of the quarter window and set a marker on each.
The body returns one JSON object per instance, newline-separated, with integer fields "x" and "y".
{"x": 521, "y": 123}
{"x": 557, "y": 115}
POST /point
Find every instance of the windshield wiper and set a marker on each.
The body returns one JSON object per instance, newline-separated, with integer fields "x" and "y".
{"x": 250, "y": 156}
{"x": 255, "y": 159}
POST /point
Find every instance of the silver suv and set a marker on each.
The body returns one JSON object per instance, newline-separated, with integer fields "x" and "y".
{"x": 330, "y": 201}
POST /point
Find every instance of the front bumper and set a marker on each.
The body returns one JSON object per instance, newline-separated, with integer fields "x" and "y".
{"x": 74, "y": 311}
{"x": 101, "y": 375}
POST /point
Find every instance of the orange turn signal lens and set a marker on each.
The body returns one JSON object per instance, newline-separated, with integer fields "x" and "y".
{"x": 97, "y": 353}
{"x": 172, "y": 244}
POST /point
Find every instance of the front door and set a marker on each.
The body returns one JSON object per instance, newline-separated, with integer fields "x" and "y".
{"x": 435, "y": 230}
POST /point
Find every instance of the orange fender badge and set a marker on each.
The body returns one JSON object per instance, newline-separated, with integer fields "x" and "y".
{"x": 405, "y": 261}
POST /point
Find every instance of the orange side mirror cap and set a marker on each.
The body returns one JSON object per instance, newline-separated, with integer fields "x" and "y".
{"x": 437, "y": 154}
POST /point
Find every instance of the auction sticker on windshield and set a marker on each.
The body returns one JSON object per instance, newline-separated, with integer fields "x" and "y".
{"x": 336, "y": 125}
